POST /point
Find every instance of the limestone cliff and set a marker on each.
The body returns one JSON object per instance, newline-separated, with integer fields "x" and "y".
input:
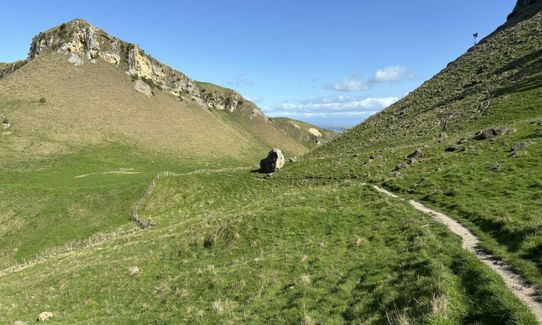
{"x": 83, "y": 43}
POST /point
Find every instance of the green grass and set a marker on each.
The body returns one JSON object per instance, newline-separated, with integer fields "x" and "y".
{"x": 311, "y": 244}
{"x": 302, "y": 131}
{"x": 236, "y": 248}
{"x": 45, "y": 204}
{"x": 502, "y": 207}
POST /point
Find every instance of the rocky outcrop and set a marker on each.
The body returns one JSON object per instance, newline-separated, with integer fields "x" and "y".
{"x": 273, "y": 162}
{"x": 525, "y": 7}
{"x": 10, "y": 68}
{"x": 142, "y": 66}
{"x": 143, "y": 88}
{"x": 83, "y": 43}
{"x": 78, "y": 40}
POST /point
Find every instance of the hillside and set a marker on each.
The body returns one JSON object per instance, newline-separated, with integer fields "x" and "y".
{"x": 72, "y": 68}
{"x": 84, "y": 103}
{"x": 467, "y": 142}
{"x": 315, "y": 243}
{"x": 311, "y": 136}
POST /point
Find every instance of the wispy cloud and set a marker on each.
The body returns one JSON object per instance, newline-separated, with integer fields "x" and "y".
{"x": 354, "y": 83}
{"x": 337, "y": 106}
{"x": 391, "y": 74}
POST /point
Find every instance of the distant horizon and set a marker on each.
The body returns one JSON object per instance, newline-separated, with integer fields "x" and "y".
{"x": 332, "y": 68}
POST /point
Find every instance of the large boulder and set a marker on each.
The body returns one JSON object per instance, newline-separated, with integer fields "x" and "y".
{"x": 273, "y": 162}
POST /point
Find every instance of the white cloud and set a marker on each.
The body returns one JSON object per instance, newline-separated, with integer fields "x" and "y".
{"x": 353, "y": 83}
{"x": 337, "y": 106}
{"x": 390, "y": 74}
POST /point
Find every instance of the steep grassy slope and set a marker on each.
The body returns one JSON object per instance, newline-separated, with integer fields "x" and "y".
{"x": 81, "y": 108}
{"x": 492, "y": 186}
{"x": 311, "y": 136}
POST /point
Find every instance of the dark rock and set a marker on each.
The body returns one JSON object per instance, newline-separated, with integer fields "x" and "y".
{"x": 273, "y": 162}
{"x": 522, "y": 145}
{"x": 490, "y": 133}
{"x": 455, "y": 148}
{"x": 522, "y": 7}
{"x": 416, "y": 154}
{"x": 412, "y": 161}
{"x": 496, "y": 167}
{"x": 401, "y": 166}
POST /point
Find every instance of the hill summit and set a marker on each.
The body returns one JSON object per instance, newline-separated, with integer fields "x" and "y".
{"x": 525, "y": 8}
{"x": 83, "y": 43}
{"x": 94, "y": 88}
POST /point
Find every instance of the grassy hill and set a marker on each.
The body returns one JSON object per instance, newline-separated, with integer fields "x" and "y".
{"x": 310, "y": 244}
{"x": 61, "y": 120}
{"x": 425, "y": 146}
{"x": 311, "y": 136}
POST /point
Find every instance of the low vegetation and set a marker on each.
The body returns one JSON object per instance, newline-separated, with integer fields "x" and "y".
{"x": 223, "y": 250}
{"x": 310, "y": 244}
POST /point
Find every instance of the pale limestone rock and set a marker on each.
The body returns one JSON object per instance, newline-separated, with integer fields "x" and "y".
{"x": 75, "y": 59}
{"x": 273, "y": 162}
{"x": 111, "y": 57}
{"x": 46, "y": 315}
{"x": 143, "y": 88}
{"x": 315, "y": 132}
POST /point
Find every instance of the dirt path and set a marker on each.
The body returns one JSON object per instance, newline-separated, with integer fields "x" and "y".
{"x": 513, "y": 281}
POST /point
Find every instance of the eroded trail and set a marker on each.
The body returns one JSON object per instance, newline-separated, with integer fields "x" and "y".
{"x": 514, "y": 281}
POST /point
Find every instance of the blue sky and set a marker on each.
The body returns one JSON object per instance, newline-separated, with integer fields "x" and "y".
{"x": 332, "y": 63}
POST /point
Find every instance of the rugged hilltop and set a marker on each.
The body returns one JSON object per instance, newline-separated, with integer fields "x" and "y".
{"x": 83, "y": 43}
{"x": 525, "y": 8}
{"x": 95, "y": 87}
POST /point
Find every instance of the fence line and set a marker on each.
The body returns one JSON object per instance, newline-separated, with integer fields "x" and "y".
{"x": 145, "y": 223}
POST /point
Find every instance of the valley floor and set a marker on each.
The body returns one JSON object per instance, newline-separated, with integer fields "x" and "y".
{"x": 237, "y": 247}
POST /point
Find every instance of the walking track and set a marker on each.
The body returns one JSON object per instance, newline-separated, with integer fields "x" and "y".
{"x": 514, "y": 282}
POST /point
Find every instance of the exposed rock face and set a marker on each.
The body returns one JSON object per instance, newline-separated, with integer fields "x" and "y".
{"x": 525, "y": 5}
{"x": 143, "y": 88}
{"x": 83, "y": 43}
{"x": 315, "y": 132}
{"x": 10, "y": 68}
{"x": 273, "y": 162}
